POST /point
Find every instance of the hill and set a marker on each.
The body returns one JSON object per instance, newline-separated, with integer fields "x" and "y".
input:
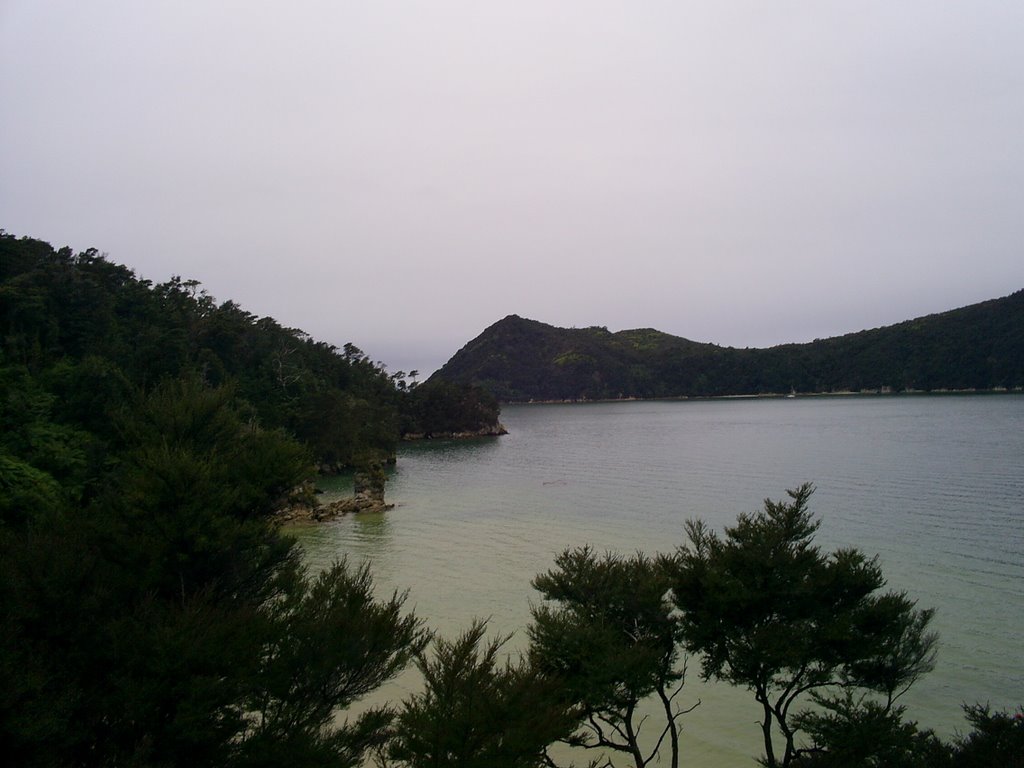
{"x": 978, "y": 347}
{"x": 83, "y": 338}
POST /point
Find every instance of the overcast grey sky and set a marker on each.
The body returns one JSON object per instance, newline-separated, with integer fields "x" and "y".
{"x": 403, "y": 174}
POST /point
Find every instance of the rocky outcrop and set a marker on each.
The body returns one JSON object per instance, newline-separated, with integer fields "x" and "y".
{"x": 491, "y": 430}
{"x": 320, "y": 512}
{"x": 361, "y": 502}
{"x": 368, "y": 496}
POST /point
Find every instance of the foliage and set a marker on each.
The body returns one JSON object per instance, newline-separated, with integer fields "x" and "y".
{"x": 23, "y": 487}
{"x": 996, "y": 740}
{"x": 475, "y": 712}
{"x": 87, "y": 333}
{"x": 608, "y": 634}
{"x": 439, "y": 408}
{"x": 849, "y": 731}
{"x": 767, "y": 610}
{"x": 167, "y": 620}
{"x": 339, "y": 644}
{"x": 59, "y": 457}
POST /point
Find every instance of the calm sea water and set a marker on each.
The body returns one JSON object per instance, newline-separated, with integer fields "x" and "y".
{"x": 933, "y": 485}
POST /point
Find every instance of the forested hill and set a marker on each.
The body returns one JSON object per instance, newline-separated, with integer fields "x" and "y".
{"x": 978, "y": 347}
{"x": 82, "y": 338}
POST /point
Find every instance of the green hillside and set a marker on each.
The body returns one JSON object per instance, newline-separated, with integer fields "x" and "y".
{"x": 978, "y": 347}
{"x": 82, "y": 339}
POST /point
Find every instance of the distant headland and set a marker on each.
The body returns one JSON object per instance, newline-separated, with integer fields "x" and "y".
{"x": 975, "y": 348}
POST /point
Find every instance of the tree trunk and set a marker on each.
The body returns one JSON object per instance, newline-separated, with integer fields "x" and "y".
{"x": 766, "y": 731}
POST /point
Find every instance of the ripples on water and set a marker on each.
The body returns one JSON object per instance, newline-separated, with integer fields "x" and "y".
{"x": 933, "y": 485}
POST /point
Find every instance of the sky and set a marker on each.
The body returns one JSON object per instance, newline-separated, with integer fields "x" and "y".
{"x": 401, "y": 175}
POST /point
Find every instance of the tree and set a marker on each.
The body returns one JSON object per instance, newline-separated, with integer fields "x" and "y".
{"x": 850, "y": 731}
{"x": 610, "y": 637}
{"x": 439, "y": 407}
{"x": 997, "y": 739}
{"x": 853, "y": 732}
{"x": 766, "y": 609}
{"x": 475, "y": 712}
{"x": 168, "y": 621}
{"x": 330, "y": 644}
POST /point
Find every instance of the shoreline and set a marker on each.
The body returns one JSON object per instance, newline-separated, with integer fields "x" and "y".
{"x": 777, "y": 396}
{"x": 494, "y": 430}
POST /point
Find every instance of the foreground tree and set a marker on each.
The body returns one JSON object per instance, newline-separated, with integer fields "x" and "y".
{"x": 996, "y": 740}
{"x": 853, "y": 732}
{"x": 608, "y": 633}
{"x": 477, "y": 712}
{"x": 766, "y": 609}
{"x": 169, "y": 622}
{"x": 850, "y": 731}
{"x": 331, "y": 642}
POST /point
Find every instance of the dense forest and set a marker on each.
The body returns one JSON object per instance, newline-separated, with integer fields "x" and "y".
{"x": 154, "y": 613}
{"x": 87, "y": 336}
{"x": 980, "y": 347}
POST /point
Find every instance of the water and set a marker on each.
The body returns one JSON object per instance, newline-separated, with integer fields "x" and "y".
{"x": 933, "y": 485}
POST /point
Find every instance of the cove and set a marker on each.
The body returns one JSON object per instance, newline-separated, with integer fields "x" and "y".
{"x": 934, "y": 485}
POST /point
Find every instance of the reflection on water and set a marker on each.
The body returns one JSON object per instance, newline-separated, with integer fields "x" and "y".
{"x": 934, "y": 485}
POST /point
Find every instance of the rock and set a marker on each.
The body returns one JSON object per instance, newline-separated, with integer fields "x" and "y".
{"x": 370, "y": 482}
{"x": 491, "y": 430}
{"x": 319, "y": 512}
{"x": 368, "y": 496}
{"x": 358, "y": 503}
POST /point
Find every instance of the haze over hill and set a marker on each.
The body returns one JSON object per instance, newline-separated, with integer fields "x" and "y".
{"x": 979, "y": 347}
{"x": 740, "y": 173}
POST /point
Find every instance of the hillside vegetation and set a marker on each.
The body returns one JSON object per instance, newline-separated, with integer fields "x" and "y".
{"x": 979, "y": 347}
{"x": 83, "y": 338}
{"x": 154, "y": 611}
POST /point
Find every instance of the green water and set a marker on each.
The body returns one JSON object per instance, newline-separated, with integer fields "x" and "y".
{"x": 933, "y": 485}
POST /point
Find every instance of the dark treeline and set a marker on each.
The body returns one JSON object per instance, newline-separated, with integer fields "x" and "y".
{"x": 153, "y": 612}
{"x": 977, "y": 347}
{"x": 87, "y": 335}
